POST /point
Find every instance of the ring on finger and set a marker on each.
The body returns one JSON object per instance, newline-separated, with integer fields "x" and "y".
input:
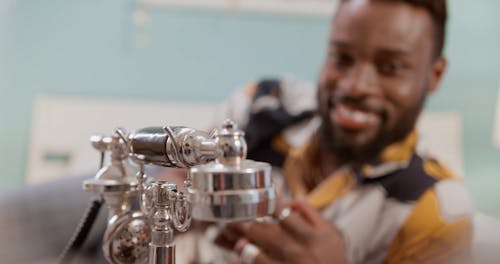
{"x": 284, "y": 214}
{"x": 249, "y": 253}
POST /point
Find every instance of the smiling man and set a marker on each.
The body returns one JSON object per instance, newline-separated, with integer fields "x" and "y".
{"x": 367, "y": 196}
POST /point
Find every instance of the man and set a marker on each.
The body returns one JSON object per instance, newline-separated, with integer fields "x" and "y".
{"x": 364, "y": 195}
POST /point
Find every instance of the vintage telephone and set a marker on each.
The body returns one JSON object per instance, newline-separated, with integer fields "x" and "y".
{"x": 221, "y": 186}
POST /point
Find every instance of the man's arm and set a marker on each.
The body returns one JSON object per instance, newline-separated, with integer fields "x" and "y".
{"x": 437, "y": 231}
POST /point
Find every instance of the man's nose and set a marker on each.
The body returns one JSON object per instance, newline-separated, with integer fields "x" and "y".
{"x": 361, "y": 81}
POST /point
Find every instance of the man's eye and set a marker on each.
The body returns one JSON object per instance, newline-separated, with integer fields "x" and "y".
{"x": 390, "y": 68}
{"x": 341, "y": 60}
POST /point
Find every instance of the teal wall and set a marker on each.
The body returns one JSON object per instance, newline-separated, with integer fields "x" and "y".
{"x": 69, "y": 47}
{"x": 470, "y": 88}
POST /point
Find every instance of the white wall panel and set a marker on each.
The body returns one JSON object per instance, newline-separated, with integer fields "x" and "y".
{"x": 62, "y": 126}
{"x": 307, "y": 7}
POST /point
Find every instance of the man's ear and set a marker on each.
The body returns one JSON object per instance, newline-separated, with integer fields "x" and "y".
{"x": 438, "y": 69}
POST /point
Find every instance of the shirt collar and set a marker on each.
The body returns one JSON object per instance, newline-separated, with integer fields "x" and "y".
{"x": 303, "y": 175}
{"x": 394, "y": 157}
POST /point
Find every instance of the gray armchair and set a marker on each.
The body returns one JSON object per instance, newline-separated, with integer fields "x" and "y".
{"x": 36, "y": 222}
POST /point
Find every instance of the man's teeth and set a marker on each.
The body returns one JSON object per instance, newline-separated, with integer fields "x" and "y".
{"x": 360, "y": 117}
{"x": 356, "y": 115}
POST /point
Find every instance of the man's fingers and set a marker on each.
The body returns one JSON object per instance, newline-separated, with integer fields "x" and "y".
{"x": 263, "y": 259}
{"x": 270, "y": 238}
{"x": 250, "y": 253}
{"x": 296, "y": 225}
{"x": 228, "y": 236}
{"x": 223, "y": 241}
{"x": 307, "y": 211}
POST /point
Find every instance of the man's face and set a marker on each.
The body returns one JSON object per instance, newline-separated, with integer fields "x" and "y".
{"x": 376, "y": 76}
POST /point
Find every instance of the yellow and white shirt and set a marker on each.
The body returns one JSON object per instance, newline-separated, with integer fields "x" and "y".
{"x": 405, "y": 209}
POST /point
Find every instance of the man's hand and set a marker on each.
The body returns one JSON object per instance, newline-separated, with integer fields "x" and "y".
{"x": 301, "y": 237}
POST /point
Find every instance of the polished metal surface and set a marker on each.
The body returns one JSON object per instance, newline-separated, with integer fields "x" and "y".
{"x": 239, "y": 205}
{"x": 128, "y": 233}
{"x": 173, "y": 146}
{"x": 117, "y": 175}
{"x": 161, "y": 254}
{"x": 235, "y": 198}
{"x": 169, "y": 210}
{"x": 216, "y": 176}
{"x": 114, "y": 177}
{"x": 231, "y": 188}
{"x": 231, "y": 143}
{"x": 105, "y": 186}
{"x": 127, "y": 238}
{"x": 222, "y": 186}
{"x": 116, "y": 181}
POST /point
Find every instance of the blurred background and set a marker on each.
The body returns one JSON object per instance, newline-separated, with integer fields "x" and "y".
{"x": 69, "y": 66}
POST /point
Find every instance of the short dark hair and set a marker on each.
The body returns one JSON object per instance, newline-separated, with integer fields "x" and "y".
{"x": 439, "y": 13}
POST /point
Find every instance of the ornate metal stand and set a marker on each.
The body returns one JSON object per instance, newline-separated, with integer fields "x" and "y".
{"x": 221, "y": 186}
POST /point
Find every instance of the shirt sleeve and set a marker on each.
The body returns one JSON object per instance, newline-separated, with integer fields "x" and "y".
{"x": 434, "y": 232}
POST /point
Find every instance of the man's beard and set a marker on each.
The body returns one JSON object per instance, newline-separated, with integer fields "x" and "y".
{"x": 331, "y": 141}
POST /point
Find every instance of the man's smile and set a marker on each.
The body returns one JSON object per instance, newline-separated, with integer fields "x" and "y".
{"x": 353, "y": 117}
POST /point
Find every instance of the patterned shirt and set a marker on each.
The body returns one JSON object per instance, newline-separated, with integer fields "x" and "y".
{"x": 404, "y": 209}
